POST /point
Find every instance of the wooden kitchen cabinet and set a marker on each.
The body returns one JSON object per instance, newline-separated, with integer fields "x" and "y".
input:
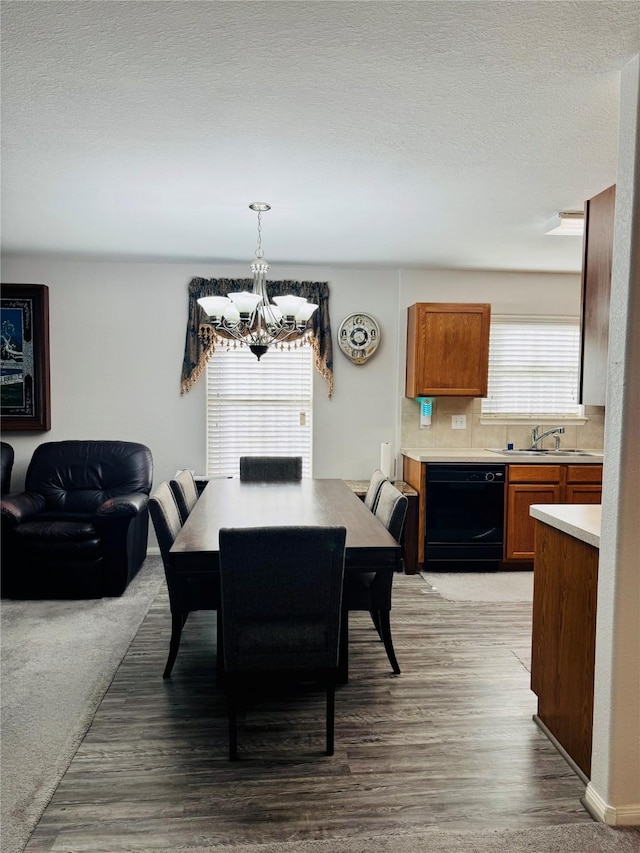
{"x": 414, "y": 474}
{"x": 583, "y": 484}
{"x": 447, "y": 349}
{"x": 544, "y": 484}
{"x": 563, "y": 640}
{"x": 596, "y": 289}
{"x": 527, "y": 485}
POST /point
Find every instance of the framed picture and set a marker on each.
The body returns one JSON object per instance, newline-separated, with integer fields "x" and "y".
{"x": 24, "y": 340}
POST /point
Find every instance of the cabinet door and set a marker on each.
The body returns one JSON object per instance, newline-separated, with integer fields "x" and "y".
{"x": 447, "y": 349}
{"x": 520, "y": 525}
{"x": 596, "y": 288}
{"x": 581, "y": 493}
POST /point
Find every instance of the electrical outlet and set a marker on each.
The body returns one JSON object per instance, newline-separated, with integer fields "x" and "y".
{"x": 458, "y": 421}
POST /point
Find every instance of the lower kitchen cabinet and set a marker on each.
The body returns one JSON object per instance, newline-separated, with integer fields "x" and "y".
{"x": 583, "y": 484}
{"x": 525, "y": 484}
{"x": 520, "y": 538}
{"x": 543, "y": 484}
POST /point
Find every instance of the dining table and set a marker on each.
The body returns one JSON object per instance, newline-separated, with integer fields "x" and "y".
{"x": 230, "y": 502}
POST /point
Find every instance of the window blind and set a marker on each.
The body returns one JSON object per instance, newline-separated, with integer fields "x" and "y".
{"x": 533, "y": 367}
{"x": 258, "y": 408}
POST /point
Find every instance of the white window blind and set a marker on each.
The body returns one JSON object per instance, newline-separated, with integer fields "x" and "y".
{"x": 533, "y": 367}
{"x": 258, "y": 408}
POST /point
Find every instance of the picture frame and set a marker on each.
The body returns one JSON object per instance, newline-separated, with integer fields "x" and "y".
{"x": 25, "y": 396}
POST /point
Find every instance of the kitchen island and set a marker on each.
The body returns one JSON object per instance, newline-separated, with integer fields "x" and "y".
{"x": 565, "y": 581}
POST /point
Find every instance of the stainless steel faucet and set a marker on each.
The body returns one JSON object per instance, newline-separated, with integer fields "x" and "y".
{"x": 537, "y": 437}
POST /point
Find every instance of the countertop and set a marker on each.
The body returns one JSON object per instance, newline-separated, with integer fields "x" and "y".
{"x": 478, "y": 454}
{"x": 582, "y": 521}
{"x": 360, "y": 487}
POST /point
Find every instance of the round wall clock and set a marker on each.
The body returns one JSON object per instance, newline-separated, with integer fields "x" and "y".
{"x": 358, "y": 337}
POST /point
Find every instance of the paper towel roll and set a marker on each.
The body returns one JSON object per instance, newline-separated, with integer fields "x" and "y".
{"x": 385, "y": 459}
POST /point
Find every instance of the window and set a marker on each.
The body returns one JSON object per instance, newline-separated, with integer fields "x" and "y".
{"x": 258, "y": 408}
{"x": 533, "y": 368}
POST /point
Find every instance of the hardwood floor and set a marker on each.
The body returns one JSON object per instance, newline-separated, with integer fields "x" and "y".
{"x": 450, "y": 743}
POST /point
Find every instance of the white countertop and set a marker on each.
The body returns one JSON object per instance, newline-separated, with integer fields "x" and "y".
{"x": 582, "y": 521}
{"x": 478, "y": 454}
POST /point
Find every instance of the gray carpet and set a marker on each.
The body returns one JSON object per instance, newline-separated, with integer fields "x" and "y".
{"x": 569, "y": 838}
{"x": 482, "y": 586}
{"x": 45, "y": 711}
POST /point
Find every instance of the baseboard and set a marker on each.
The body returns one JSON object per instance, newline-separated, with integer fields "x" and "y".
{"x": 611, "y": 815}
{"x": 153, "y": 552}
{"x": 563, "y": 752}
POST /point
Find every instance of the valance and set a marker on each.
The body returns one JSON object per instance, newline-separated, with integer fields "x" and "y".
{"x": 200, "y": 343}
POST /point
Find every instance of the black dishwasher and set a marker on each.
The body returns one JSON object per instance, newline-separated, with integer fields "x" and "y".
{"x": 464, "y": 516}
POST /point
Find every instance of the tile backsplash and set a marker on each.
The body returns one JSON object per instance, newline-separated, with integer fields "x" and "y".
{"x": 476, "y": 434}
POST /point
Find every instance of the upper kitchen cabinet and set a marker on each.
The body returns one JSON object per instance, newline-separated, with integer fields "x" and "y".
{"x": 596, "y": 288}
{"x": 447, "y": 349}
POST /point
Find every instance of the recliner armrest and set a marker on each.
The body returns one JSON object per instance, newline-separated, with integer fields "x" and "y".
{"x": 21, "y": 506}
{"x": 123, "y": 506}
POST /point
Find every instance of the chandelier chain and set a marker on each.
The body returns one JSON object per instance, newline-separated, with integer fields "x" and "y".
{"x": 259, "y": 249}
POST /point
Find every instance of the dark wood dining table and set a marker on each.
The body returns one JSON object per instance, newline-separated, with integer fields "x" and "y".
{"x": 233, "y": 503}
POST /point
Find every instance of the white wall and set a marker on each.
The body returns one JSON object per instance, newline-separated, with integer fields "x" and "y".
{"x": 613, "y": 793}
{"x": 508, "y": 292}
{"x": 117, "y": 342}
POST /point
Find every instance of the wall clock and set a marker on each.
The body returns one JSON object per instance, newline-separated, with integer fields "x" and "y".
{"x": 358, "y": 337}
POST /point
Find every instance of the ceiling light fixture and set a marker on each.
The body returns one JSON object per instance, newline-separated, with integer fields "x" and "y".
{"x": 566, "y": 224}
{"x": 250, "y": 318}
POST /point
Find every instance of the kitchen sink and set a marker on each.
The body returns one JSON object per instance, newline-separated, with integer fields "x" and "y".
{"x": 573, "y": 452}
{"x": 527, "y": 451}
{"x": 524, "y": 452}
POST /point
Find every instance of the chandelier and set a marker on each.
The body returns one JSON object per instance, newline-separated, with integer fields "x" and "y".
{"x": 250, "y": 318}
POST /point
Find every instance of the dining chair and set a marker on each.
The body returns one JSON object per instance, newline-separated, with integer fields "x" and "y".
{"x": 185, "y": 491}
{"x": 270, "y": 469}
{"x": 188, "y": 590}
{"x": 281, "y": 594}
{"x": 373, "y": 492}
{"x": 371, "y": 591}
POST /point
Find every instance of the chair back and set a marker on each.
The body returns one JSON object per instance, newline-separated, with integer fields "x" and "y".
{"x": 373, "y": 492}
{"x": 281, "y": 593}
{"x": 185, "y": 492}
{"x": 166, "y": 519}
{"x": 271, "y": 469}
{"x": 391, "y": 509}
{"x": 79, "y": 476}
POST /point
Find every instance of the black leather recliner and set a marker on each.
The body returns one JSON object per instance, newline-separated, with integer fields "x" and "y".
{"x": 79, "y": 530}
{"x": 6, "y": 466}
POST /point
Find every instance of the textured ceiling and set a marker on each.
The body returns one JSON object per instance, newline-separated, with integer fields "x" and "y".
{"x": 440, "y": 134}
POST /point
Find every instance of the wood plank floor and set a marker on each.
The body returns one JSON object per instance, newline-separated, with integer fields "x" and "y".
{"x": 450, "y": 743}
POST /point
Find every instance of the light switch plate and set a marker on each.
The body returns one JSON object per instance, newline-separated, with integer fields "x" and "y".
{"x": 458, "y": 421}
